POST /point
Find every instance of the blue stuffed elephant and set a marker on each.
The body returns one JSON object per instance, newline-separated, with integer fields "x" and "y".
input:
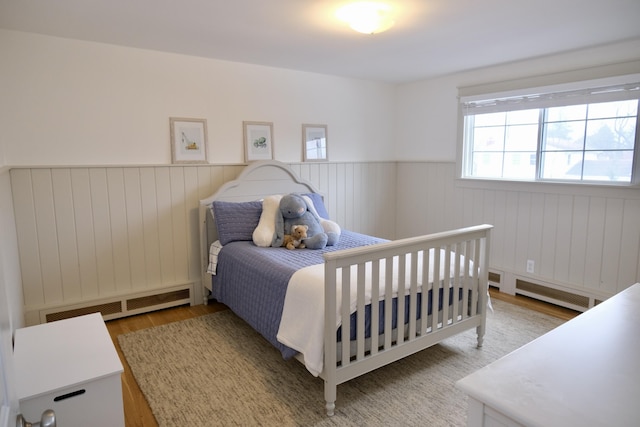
{"x": 295, "y": 211}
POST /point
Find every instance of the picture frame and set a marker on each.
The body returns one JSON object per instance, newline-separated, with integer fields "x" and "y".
{"x": 258, "y": 141}
{"x": 188, "y": 140}
{"x": 315, "y": 146}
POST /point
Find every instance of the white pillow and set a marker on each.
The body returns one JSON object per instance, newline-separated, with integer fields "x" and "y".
{"x": 266, "y": 228}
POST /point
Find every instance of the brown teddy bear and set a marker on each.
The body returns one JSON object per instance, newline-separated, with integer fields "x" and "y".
{"x": 294, "y": 240}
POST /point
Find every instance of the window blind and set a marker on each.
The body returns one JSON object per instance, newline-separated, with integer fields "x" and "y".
{"x": 551, "y": 96}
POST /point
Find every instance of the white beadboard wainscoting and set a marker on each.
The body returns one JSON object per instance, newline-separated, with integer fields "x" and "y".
{"x": 584, "y": 241}
{"x": 125, "y": 239}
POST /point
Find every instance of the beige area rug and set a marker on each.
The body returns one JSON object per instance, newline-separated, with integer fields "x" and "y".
{"x": 215, "y": 370}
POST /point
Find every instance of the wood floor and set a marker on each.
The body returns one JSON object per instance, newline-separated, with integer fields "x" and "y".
{"x": 136, "y": 410}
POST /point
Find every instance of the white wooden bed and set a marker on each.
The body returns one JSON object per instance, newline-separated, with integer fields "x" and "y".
{"x": 382, "y": 272}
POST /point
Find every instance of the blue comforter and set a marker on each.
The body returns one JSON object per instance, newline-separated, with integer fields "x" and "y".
{"x": 252, "y": 281}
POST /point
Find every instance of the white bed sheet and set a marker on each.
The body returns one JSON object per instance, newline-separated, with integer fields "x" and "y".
{"x": 214, "y": 250}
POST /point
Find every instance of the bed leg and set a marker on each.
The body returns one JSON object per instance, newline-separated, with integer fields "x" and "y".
{"x": 205, "y": 298}
{"x": 330, "y": 397}
{"x": 480, "y": 332}
{"x": 331, "y": 406}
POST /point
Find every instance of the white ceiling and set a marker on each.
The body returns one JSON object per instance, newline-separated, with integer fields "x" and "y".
{"x": 430, "y": 37}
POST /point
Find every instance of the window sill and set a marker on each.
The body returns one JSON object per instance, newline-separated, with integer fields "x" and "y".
{"x": 573, "y": 188}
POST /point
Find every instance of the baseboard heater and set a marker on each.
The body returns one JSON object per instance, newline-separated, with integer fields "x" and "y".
{"x": 127, "y": 305}
{"x": 495, "y": 279}
{"x": 573, "y": 300}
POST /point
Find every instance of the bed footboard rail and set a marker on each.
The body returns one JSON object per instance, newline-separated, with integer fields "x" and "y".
{"x": 433, "y": 285}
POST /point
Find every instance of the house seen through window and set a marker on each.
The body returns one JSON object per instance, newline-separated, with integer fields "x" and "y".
{"x": 578, "y": 136}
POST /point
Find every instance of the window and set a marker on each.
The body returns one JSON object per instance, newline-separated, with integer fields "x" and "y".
{"x": 586, "y": 135}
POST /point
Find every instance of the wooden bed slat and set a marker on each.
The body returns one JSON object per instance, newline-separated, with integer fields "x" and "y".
{"x": 361, "y": 311}
{"x": 375, "y": 308}
{"x": 346, "y": 315}
{"x": 413, "y": 302}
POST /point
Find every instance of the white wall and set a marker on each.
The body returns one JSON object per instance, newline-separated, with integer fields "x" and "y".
{"x": 99, "y": 210}
{"x": 11, "y": 303}
{"x": 584, "y": 238}
{"x": 10, "y": 277}
{"x": 75, "y": 103}
{"x": 427, "y": 110}
{"x": 93, "y": 235}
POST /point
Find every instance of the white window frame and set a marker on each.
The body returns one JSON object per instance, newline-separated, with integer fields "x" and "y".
{"x": 483, "y": 99}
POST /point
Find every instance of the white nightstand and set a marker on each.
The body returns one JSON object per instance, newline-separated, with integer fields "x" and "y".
{"x": 72, "y": 367}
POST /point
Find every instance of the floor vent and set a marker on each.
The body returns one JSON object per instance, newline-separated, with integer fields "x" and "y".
{"x": 532, "y": 289}
{"x": 158, "y": 299}
{"x": 107, "y": 309}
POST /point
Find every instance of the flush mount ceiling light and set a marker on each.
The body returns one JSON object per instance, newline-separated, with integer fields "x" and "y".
{"x": 366, "y": 17}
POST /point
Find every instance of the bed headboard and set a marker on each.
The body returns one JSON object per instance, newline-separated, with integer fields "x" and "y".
{"x": 258, "y": 180}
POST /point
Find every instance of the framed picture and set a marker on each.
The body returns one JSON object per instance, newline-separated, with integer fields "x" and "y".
{"x": 188, "y": 140}
{"x": 314, "y": 143}
{"x": 258, "y": 141}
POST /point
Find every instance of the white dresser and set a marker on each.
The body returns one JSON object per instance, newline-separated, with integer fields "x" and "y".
{"x": 584, "y": 373}
{"x": 72, "y": 367}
